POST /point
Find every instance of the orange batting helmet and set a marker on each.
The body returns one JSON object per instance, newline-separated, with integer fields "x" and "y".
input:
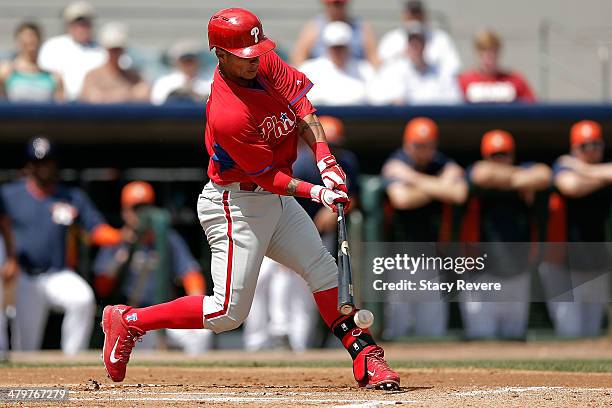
{"x": 238, "y": 31}
{"x": 334, "y": 129}
{"x": 496, "y": 141}
{"x": 421, "y": 130}
{"x": 585, "y": 131}
{"x": 137, "y": 192}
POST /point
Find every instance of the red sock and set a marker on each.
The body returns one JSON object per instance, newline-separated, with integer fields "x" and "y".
{"x": 354, "y": 339}
{"x": 186, "y": 312}
{"x": 327, "y": 302}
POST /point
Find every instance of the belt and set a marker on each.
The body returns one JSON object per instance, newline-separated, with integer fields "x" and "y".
{"x": 248, "y": 186}
{"x": 237, "y": 186}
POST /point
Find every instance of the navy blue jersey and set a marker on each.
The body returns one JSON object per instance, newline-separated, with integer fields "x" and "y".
{"x": 586, "y": 216}
{"x": 306, "y": 169}
{"x": 504, "y": 214}
{"x": 40, "y": 224}
{"x": 422, "y": 224}
{"x": 145, "y": 260}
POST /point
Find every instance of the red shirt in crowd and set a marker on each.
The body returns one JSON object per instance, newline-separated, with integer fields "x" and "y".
{"x": 250, "y": 131}
{"x": 505, "y": 87}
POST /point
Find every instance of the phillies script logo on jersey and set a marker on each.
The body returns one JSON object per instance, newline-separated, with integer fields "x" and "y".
{"x": 275, "y": 127}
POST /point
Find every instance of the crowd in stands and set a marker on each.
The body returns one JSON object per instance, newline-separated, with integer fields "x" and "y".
{"x": 415, "y": 63}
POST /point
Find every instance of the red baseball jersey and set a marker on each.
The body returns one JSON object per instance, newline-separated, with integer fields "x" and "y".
{"x": 505, "y": 87}
{"x": 250, "y": 131}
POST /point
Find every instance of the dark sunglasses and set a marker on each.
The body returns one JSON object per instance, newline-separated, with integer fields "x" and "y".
{"x": 590, "y": 146}
{"x": 499, "y": 155}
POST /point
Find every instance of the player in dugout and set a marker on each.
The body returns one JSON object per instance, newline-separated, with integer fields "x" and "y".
{"x": 44, "y": 215}
{"x": 135, "y": 272}
{"x": 501, "y": 213}
{"x": 422, "y": 185}
{"x": 575, "y": 271}
{"x": 256, "y": 112}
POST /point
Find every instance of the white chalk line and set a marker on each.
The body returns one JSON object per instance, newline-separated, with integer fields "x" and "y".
{"x": 518, "y": 390}
{"x": 262, "y": 397}
{"x": 248, "y": 399}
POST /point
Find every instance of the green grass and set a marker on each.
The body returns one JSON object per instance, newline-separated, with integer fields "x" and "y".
{"x": 585, "y": 366}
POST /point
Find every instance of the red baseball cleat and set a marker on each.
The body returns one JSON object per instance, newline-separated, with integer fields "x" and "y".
{"x": 378, "y": 374}
{"x": 119, "y": 340}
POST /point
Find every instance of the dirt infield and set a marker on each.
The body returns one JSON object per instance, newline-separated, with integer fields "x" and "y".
{"x": 169, "y": 379}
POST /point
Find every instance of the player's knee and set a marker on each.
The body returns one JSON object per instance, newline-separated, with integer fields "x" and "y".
{"x": 234, "y": 317}
{"x": 223, "y": 324}
{"x": 322, "y": 273}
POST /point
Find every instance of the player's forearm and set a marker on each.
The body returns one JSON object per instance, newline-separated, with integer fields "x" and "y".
{"x": 7, "y": 235}
{"x": 602, "y": 172}
{"x": 447, "y": 191}
{"x": 572, "y": 184}
{"x": 278, "y": 182}
{"x": 404, "y": 197}
{"x": 535, "y": 178}
{"x": 493, "y": 175}
{"x": 311, "y": 130}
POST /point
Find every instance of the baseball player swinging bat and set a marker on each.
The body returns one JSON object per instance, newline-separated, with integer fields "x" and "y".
{"x": 346, "y": 303}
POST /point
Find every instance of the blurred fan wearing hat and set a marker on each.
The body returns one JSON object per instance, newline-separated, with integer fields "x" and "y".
{"x": 440, "y": 49}
{"x": 579, "y": 213}
{"x": 501, "y": 212}
{"x": 73, "y": 54}
{"x": 340, "y": 78}
{"x": 47, "y": 217}
{"x": 186, "y": 82}
{"x": 411, "y": 78}
{"x": 311, "y": 42}
{"x": 421, "y": 183}
{"x": 115, "y": 81}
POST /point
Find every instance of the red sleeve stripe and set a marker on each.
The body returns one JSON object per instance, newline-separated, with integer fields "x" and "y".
{"x": 230, "y": 259}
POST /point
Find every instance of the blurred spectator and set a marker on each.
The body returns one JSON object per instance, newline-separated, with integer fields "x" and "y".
{"x": 339, "y": 78}
{"x": 310, "y": 43}
{"x": 410, "y": 79}
{"x": 489, "y": 83}
{"x": 500, "y": 213}
{"x": 44, "y": 215}
{"x": 3, "y": 318}
{"x": 112, "y": 82}
{"x": 421, "y": 183}
{"x": 440, "y": 50}
{"x": 575, "y": 275}
{"x": 283, "y": 311}
{"x": 75, "y": 53}
{"x": 9, "y": 268}
{"x": 22, "y": 80}
{"x": 132, "y": 272}
{"x": 185, "y": 83}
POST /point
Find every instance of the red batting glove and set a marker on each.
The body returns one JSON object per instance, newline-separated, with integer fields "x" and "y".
{"x": 332, "y": 174}
{"x": 328, "y": 197}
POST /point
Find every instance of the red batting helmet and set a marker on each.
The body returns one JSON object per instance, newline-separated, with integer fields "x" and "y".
{"x": 239, "y": 32}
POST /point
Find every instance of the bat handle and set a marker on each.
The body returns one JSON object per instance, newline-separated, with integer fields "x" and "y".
{"x": 340, "y": 209}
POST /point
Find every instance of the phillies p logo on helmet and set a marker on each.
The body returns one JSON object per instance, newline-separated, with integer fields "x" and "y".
{"x": 239, "y": 32}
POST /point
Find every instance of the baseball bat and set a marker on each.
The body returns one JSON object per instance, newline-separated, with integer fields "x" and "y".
{"x": 346, "y": 303}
